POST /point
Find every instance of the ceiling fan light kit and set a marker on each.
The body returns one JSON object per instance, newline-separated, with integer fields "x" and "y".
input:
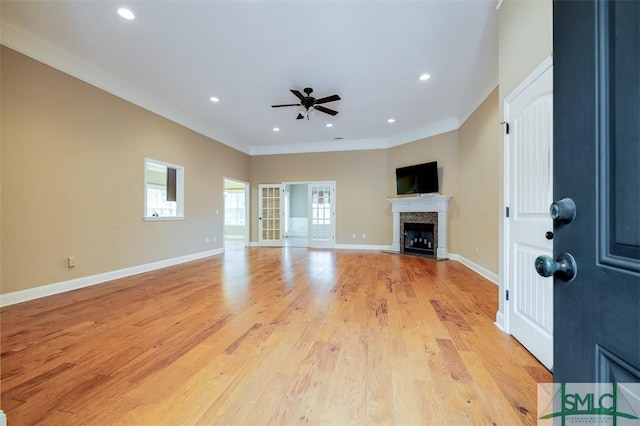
{"x": 309, "y": 104}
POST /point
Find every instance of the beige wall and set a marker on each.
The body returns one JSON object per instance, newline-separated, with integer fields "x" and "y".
{"x": 474, "y": 231}
{"x": 441, "y": 148}
{"x": 72, "y": 176}
{"x": 525, "y": 39}
{"x": 361, "y": 189}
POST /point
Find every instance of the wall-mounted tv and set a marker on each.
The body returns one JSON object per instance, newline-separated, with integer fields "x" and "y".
{"x": 418, "y": 179}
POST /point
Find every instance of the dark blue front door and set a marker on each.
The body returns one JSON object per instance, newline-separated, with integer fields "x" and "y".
{"x": 596, "y": 51}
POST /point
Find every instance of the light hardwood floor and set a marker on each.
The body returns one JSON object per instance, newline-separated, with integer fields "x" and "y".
{"x": 270, "y": 336}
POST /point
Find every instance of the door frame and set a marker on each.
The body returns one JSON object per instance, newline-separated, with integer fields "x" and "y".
{"x": 331, "y": 244}
{"x": 502, "y": 316}
{"x": 247, "y": 209}
{"x": 309, "y": 183}
{"x": 261, "y": 241}
{"x": 287, "y": 217}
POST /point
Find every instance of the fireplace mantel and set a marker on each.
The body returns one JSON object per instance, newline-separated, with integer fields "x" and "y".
{"x": 424, "y": 203}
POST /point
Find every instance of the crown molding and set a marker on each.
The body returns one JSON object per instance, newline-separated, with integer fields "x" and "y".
{"x": 35, "y": 47}
{"x": 433, "y": 129}
{"x": 471, "y": 106}
{"x": 327, "y": 146}
{"x": 41, "y": 50}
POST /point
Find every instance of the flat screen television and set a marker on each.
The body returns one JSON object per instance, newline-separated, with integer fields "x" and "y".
{"x": 418, "y": 179}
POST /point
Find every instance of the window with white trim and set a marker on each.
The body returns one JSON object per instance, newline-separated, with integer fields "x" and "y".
{"x": 164, "y": 190}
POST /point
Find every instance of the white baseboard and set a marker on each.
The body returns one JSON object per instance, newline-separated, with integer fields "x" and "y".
{"x": 60, "y": 287}
{"x": 491, "y": 276}
{"x": 298, "y": 235}
{"x": 362, "y": 247}
{"x": 500, "y": 321}
{"x": 343, "y": 246}
{"x": 3, "y": 419}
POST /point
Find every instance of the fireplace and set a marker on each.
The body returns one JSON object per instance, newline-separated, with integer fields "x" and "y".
{"x": 419, "y": 238}
{"x": 429, "y": 213}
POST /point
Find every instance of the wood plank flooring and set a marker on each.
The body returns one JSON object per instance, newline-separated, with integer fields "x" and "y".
{"x": 270, "y": 336}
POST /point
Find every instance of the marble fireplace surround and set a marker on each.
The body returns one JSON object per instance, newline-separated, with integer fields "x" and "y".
{"x": 428, "y": 203}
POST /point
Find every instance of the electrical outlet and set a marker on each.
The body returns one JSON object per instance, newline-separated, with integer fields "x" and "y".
{"x": 71, "y": 261}
{"x": 353, "y": 236}
{"x": 215, "y": 239}
{"x": 477, "y": 249}
{"x": 364, "y": 236}
{"x": 206, "y": 240}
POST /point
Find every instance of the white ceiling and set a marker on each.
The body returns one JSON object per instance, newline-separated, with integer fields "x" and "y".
{"x": 177, "y": 54}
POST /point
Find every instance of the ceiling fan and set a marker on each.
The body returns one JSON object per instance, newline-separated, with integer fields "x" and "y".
{"x": 309, "y": 103}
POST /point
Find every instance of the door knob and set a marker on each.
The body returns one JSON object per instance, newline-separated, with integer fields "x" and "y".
{"x": 563, "y": 210}
{"x": 564, "y": 267}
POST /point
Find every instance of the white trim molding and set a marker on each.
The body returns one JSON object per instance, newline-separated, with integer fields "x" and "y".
{"x": 524, "y": 84}
{"x": 481, "y": 270}
{"x": 500, "y": 322}
{"x": 64, "y": 286}
{"x": 325, "y": 146}
{"x": 491, "y": 276}
{"x": 433, "y": 129}
{"x": 362, "y": 247}
{"x": 502, "y": 318}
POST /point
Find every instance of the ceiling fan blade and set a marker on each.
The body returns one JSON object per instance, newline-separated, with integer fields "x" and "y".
{"x": 298, "y": 94}
{"x": 284, "y": 105}
{"x": 327, "y": 99}
{"x": 325, "y": 110}
{"x": 299, "y": 117}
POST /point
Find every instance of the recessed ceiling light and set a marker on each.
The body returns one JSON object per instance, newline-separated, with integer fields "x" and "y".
{"x": 391, "y": 120}
{"x": 276, "y": 129}
{"x": 214, "y": 99}
{"x": 329, "y": 125}
{"x": 126, "y": 14}
{"x": 425, "y": 77}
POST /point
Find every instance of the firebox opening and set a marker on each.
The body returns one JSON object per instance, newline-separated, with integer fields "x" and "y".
{"x": 419, "y": 238}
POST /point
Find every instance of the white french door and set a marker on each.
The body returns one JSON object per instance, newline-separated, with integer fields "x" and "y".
{"x": 528, "y": 195}
{"x": 322, "y": 213}
{"x": 271, "y": 214}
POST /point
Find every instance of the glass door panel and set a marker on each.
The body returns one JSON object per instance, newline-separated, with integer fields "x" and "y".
{"x": 322, "y": 217}
{"x": 270, "y": 217}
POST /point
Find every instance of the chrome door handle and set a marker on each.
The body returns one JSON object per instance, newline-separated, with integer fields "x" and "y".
{"x": 564, "y": 267}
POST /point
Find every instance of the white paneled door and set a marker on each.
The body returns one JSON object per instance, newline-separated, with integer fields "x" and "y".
{"x": 271, "y": 214}
{"x": 322, "y": 225}
{"x": 528, "y": 228}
